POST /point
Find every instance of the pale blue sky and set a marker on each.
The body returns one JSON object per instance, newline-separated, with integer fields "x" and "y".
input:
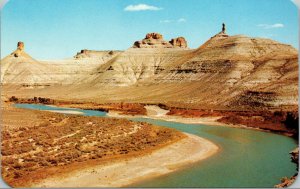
{"x": 54, "y": 29}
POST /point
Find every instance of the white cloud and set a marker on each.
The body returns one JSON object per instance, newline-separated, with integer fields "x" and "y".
{"x": 142, "y": 7}
{"x": 181, "y": 20}
{"x": 270, "y": 26}
{"x": 166, "y": 21}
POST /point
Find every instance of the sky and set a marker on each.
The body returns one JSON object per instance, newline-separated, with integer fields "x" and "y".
{"x": 56, "y": 29}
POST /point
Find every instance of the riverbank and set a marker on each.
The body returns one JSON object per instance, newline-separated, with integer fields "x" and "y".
{"x": 128, "y": 171}
{"x": 64, "y": 150}
{"x": 155, "y": 112}
{"x": 280, "y": 121}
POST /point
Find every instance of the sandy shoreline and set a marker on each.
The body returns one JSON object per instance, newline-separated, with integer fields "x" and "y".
{"x": 155, "y": 112}
{"x": 65, "y": 112}
{"x": 125, "y": 172}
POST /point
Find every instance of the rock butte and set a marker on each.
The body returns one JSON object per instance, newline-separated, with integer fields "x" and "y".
{"x": 155, "y": 40}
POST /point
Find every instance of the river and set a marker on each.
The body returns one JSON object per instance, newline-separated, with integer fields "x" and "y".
{"x": 247, "y": 158}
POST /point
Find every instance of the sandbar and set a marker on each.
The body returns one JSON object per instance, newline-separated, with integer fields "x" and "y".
{"x": 66, "y": 111}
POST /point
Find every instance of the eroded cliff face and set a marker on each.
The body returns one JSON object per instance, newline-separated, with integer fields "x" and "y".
{"x": 226, "y": 72}
{"x": 134, "y": 66}
{"x": 21, "y": 69}
{"x": 237, "y": 71}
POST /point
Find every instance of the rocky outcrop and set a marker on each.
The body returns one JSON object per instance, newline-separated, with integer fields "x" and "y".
{"x": 20, "y": 46}
{"x": 155, "y": 40}
{"x": 20, "y": 50}
{"x": 295, "y": 157}
{"x": 95, "y": 54}
{"x": 154, "y": 36}
{"x": 179, "y": 42}
{"x": 222, "y": 34}
{"x": 286, "y": 182}
{"x": 152, "y": 40}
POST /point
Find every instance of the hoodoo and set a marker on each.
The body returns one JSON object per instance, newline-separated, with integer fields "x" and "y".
{"x": 223, "y": 32}
{"x": 20, "y": 50}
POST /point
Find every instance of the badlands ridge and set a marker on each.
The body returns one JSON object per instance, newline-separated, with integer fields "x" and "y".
{"x": 227, "y": 73}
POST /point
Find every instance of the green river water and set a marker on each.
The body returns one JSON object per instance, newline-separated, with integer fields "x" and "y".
{"x": 247, "y": 158}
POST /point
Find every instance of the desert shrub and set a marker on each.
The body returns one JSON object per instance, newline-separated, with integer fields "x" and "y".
{"x": 17, "y": 175}
{"x": 13, "y": 99}
{"x": 7, "y": 152}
